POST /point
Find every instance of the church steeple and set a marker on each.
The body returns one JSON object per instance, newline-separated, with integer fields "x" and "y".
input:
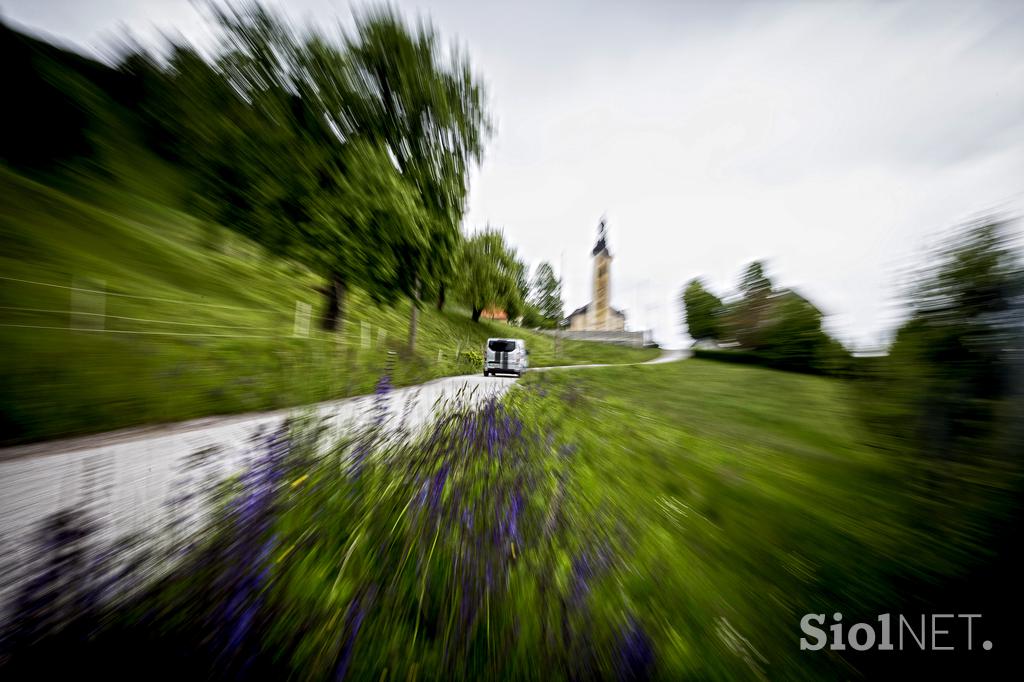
{"x": 602, "y": 238}
{"x": 600, "y": 318}
{"x": 599, "y": 315}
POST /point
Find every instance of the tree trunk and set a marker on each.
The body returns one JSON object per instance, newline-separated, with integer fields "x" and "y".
{"x": 335, "y": 292}
{"x": 415, "y": 317}
{"x": 440, "y": 297}
{"x": 476, "y": 314}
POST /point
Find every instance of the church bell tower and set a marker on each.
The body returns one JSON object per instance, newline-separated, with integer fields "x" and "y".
{"x": 600, "y": 318}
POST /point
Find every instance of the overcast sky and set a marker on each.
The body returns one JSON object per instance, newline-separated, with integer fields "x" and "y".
{"x": 835, "y": 140}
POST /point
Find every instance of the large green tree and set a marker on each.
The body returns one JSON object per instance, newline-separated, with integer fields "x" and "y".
{"x": 361, "y": 231}
{"x": 754, "y": 282}
{"x": 749, "y": 316}
{"x": 703, "y": 312}
{"x": 292, "y": 144}
{"x": 792, "y": 336}
{"x": 351, "y": 155}
{"x": 426, "y": 107}
{"x": 547, "y": 293}
{"x": 311, "y": 189}
{"x": 955, "y": 367}
{"x": 517, "y": 305}
{"x": 489, "y": 274}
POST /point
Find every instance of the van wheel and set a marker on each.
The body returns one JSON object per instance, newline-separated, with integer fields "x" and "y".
{"x": 486, "y": 373}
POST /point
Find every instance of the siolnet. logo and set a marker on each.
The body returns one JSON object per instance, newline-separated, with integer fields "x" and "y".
{"x": 931, "y": 632}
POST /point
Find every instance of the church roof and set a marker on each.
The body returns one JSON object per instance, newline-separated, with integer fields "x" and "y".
{"x": 584, "y": 308}
{"x": 602, "y": 239}
{"x": 579, "y": 311}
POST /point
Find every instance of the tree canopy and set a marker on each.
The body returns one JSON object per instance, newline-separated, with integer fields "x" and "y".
{"x": 953, "y": 370}
{"x": 351, "y": 154}
{"x": 426, "y": 108}
{"x": 703, "y": 312}
{"x": 489, "y": 274}
{"x": 546, "y": 293}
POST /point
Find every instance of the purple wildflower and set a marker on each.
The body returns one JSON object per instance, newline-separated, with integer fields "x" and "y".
{"x": 437, "y": 488}
{"x": 354, "y": 616}
{"x": 380, "y": 399}
{"x": 586, "y": 567}
{"x": 512, "y": 518}
{"x": 251, "y": 542}
{"x": 366, "y": 441}
{"x": 635, "y": 653}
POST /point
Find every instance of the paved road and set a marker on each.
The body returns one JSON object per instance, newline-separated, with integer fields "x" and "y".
{"x": 126, "y": 478}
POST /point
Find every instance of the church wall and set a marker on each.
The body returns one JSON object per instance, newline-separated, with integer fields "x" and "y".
{"x": 635, "y": 339}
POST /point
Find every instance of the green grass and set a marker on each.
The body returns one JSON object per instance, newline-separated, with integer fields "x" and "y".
{"x": 638, "y": 522}
{"x": 237, "y": 351}
{"x": 748, "y": 499}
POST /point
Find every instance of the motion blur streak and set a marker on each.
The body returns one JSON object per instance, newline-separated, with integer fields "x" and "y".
{"x": 209, "y": 255}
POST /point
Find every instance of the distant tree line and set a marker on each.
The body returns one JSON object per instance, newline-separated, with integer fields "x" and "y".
{"x": 763, "y": 324}
{"x": 950, "y": 389}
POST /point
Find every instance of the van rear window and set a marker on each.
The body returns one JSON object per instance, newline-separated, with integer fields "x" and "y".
{"x": 502, "y": 346}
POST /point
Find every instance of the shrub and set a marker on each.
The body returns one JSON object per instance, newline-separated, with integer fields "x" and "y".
{"x": 763, "y": 359}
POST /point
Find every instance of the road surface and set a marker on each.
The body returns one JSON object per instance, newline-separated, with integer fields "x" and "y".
{"x": 126, "y": 479}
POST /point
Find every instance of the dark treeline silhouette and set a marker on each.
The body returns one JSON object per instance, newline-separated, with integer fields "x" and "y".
{"x": 59, "y": 102}
{"x": 947, "y": 402}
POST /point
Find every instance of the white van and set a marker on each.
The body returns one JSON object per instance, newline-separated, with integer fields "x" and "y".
{"x": 506, "y": 356}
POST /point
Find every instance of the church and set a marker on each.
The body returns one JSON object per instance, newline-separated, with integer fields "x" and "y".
{"x": 599, "y": 315}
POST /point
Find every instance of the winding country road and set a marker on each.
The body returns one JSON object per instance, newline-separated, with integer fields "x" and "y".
{"x": 126, "y": 479}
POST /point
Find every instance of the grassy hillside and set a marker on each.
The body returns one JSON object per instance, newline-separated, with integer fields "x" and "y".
{"x": 745, "y": 499}
{"x": 196, "y": 320}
